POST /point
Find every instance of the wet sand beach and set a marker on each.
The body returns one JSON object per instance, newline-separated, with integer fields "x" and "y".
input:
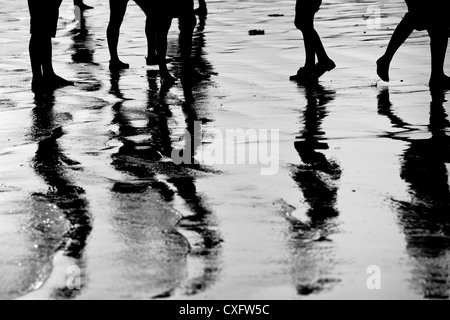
{"x": 93, "y": 207}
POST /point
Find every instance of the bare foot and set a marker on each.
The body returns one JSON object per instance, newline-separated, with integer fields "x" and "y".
{"x": 440, "y": 83}
{"x": 38, "y": 85}
{"x": 304, "y": 74}
{"x": 322, "y": 67}
{"x": 55, "y": 82}
{"x": 383, "y": 69}
{"x": 117, "y": 65}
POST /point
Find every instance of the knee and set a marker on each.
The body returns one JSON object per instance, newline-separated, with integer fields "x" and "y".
{"x": 302, "y": 24}
{"x": 187, "y": 23}
{"x": 114, "y": 25}
{"x": 39, "y": 38}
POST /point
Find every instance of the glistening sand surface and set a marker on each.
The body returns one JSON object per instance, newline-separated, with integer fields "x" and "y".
{"x": 365, "y": 185}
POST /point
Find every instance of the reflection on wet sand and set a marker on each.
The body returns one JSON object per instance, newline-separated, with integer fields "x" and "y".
{"x": 82, "y": 52}
{"x": 52, "y": 165}
{"x": 424, "y": 219}
{"x": 317, "y": 178}
{"x": 317, "y": 175}
{"x": 145, "y": 154}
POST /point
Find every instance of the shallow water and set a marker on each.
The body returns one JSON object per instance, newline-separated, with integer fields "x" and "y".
{"x": 90, "y": 198}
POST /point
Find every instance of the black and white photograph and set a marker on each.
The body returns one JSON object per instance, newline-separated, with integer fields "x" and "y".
{"x": 224, "y": 150}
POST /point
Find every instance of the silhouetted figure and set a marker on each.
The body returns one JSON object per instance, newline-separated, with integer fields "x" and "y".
{"x": 159, "y": 20}
{"x": 424, "y": 218}
{"x": 202, "y": 10}
{"x": 304, "y": 21}
{"x": 118, "y": 9}
{"x": 433, "y": 17}
{"x": 184, "y": 11}
{"x": 43, "y": 25}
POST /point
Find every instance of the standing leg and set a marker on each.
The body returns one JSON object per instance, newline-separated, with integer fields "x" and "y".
{"x": 164, "y": 23}
{"x": 37, "y": 83}
{"x": 52, "y": 80}
{"x": 305, "y": 23}
{"x": 44, "y": 22}
{"x": 151, "y": 11}
{"x": 401, "y": 33}
{"x": 187, "y": 24}
{"x": 118, "y": 9}
{"x": 324, "y": 63}
{"x": 439, "y": 42}
{"x": 35, "y": 47}
{"x": 151, "y": 28}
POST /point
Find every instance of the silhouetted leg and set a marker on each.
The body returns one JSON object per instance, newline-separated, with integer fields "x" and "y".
{"x": 187, "y": 24}
{"x": 36, "y": 63}
{"x": 117, "y": 12}
{"x": 439, "y": 42}
{"x": 47, "y": 56}
{"x": 43, "y": 25}
{"x": 324, "y": 63}
{"x": 305, "y": 23}
{"x": 150, "y": 31}
{"x": 151, "y": 11}
{"x": 52, "y": 80}
{"x": 164, "y": 24}
{"x": 401, "y": 33}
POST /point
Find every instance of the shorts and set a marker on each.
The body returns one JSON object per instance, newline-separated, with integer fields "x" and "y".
{"x": 307, "y": 6}
{"x": 431, "y": 13}
{"x": 166, "y": 8}
{"x": 176, "y": 8}
{"x": 44, "y": 16}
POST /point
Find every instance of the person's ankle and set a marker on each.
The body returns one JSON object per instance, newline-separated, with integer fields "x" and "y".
{"x": 37, "y": 84}
{"x": 56, "y": 81}
{"x": 151, "y": 59}
{"x": 116, "y": 64}
{"x": 438, "y": 76}
{"x": 327, "y": 62}
{"x": 439, "y": 81}
{"x": 383, "y": 65}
